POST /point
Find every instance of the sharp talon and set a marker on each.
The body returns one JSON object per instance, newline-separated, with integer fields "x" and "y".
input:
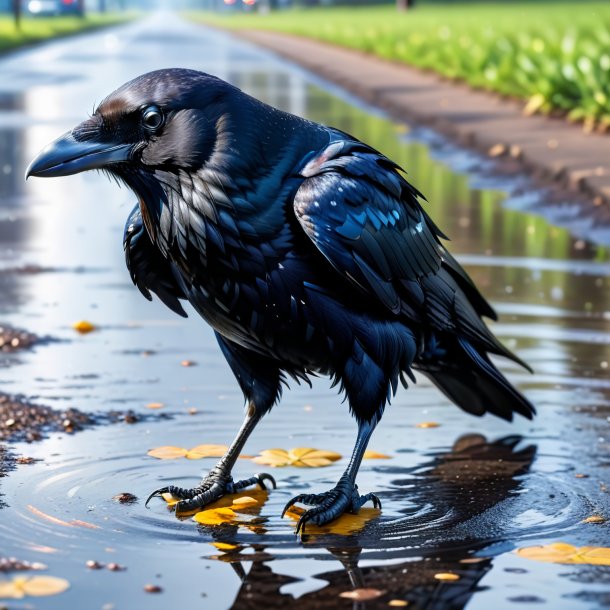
{"x": 291, "y": 503}
{"x": 156, "y": 494}
{"x": 263, "y": 476}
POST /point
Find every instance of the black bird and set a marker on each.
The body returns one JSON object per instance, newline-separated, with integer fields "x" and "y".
{"x": 306, "y": 250}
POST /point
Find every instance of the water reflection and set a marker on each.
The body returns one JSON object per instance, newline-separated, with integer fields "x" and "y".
{"x": 473, "y": 477}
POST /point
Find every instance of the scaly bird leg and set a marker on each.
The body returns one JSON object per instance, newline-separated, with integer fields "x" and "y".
{"x": 344, "y": 497}
{"x": 219, "y": 481}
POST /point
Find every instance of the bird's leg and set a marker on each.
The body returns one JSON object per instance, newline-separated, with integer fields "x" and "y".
{"x": 219, "y": 481}
{"x": 344, "y": 497}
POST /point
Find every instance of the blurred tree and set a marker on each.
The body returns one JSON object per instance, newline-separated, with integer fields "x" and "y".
{"x": 81, "y": 8}
{"x": 403, "y": 5}
{"x": 17, "y": 13}
{"x": 101, "y": 6}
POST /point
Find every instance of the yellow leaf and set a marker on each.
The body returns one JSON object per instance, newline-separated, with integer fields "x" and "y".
{"x": 273, "y": 457}
{"x": 225, "y": 546}
{"x": 83, "y": 327}
{"x": 171, "y": 500}
{"x": 36, "y": 586}
{"x": 560, "y": 552}
{"x": 302, "y": 457}
{"x": 446, "y": 576}
{"x": 215, "y": 516}
{"x": 244, "y": 502}
{"x": 167, "y": 452}
{"x": 40, "y": 586}
{"x": 369, "y": 454}
{"x": 427, "y": 424}
{"x": 361, "y": 595}
{"x": 205, "y": 451}
{"x": 155, "y": 405}
{"x": 398, "y": 603}
{"x": 345, "y": 525}
{"x": 594, "y": 519}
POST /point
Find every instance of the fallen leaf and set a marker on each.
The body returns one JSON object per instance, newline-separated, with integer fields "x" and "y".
{"x": 245, "y": 502}
{"x": 446, "y": 576}
{"x": 205, "y": 451}
{"x": 225, "y": 546}
{"x": 398, "y": 603}
{"x": 155, "y": 405}
{"x": 302, "y": 457}
{"x": 215, "y": 516}
{"x": 374, "y": 455}
{"x": 427, "y": 424}
{"x": 167, "y": 452}
{"x": 36, "y": 586}
{"x": 594, "y": 519}
{"x": 83, "y": 327}
{"x": 345, "y": 525}
{"x": 255, "y": 499}
{"x": 561, "y": 552}
{"x": 362, "y": 595}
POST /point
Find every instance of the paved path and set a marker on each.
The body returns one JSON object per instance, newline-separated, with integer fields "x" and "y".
{"x": 552, "y": 149}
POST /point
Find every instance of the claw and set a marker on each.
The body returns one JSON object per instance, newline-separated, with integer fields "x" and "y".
{"x": 261, "y": 477}
{"x": 156, "y": 494}
{"x": 292, "y": 502}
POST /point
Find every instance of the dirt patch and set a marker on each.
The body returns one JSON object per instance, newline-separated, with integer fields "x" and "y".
{"x": 23, "y": 421}
{"x": 13, "y": 339}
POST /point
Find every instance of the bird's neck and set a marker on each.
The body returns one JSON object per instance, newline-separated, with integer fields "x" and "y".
{"x": 244, "y": 190}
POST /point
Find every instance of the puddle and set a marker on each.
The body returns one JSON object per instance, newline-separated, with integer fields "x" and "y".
{"x": 458, "y": 498}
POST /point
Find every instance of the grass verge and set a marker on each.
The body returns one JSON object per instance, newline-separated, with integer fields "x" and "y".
{"x": 553, "y": 54}
{"x": 42, "y": 28}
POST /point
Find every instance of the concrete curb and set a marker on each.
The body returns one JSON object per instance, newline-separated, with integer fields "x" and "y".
{"x": 558, "y": 154}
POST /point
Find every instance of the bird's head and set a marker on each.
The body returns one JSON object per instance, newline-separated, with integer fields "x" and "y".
{"x": 167, "y": 120}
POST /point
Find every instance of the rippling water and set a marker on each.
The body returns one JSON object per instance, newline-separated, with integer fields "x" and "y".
{"x": 459, "y": 497}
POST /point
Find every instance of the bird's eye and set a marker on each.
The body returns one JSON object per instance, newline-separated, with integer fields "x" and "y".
{"x": 152, "y": 118}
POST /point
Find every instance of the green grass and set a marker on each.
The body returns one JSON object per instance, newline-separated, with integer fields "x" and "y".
{"x": 43, "y": 28}
{"x": 555, "y": 54}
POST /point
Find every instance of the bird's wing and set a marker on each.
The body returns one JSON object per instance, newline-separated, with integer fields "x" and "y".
{"x": 366, "y": 220}
{"x": 148, "y": 268}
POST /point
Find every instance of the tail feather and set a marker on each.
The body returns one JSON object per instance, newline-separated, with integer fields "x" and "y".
{"x": 469, "y": 378}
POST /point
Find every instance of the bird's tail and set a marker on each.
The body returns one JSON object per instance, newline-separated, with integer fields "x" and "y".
{"x": 469, "y": 378}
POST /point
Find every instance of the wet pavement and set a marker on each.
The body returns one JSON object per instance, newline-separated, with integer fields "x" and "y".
{"x": 458, "y": 498}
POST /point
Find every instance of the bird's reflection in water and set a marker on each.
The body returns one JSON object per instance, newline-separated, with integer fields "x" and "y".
{"x": 457, "y": 487}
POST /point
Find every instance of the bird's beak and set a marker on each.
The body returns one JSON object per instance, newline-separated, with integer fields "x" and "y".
{"x": 66, "y": 156}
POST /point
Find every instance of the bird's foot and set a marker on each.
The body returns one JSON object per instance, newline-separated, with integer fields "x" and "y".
{"x": 331, "y": 504}
{"x": 216, "y": 485}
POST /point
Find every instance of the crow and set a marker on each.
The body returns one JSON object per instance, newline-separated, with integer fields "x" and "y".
{"x": 305, "y": 249}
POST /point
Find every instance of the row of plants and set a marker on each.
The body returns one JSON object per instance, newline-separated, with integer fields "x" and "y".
{"x": 554, "y": 55}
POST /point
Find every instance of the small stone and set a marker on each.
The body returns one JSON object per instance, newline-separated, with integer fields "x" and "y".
{"x": 153, "y": 589}
{"x": 516, "y": 152}
{"x": 22, "y": 459}
{"x": 187, "y": 363}
{"x": 94, "y": 565}
{"x": 115, "y": 567}
{"x": 497, "y": 150}
{"x": 125, "y": 498}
